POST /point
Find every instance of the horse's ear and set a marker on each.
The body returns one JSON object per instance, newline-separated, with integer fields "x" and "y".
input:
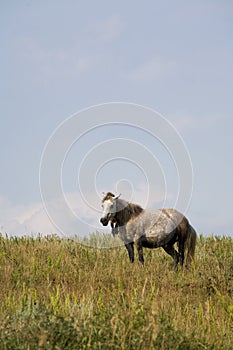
{"x": 116, "y": 197}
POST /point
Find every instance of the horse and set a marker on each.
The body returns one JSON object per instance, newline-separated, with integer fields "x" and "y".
{"x": 149, "y": 229}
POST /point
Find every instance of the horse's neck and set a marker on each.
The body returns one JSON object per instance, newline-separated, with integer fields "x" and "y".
{"x": 120, "y": 212}
{"x": 126, "y": 211}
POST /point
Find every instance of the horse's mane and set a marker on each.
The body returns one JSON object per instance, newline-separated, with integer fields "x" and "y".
{"x": 126, "y": 211}
{"x": 107, "y": 196}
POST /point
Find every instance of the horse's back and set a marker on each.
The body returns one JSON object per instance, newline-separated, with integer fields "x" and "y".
{"x": 174, "y": 215}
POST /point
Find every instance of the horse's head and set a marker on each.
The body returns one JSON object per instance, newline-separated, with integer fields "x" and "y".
{"x": 109, "y": 205}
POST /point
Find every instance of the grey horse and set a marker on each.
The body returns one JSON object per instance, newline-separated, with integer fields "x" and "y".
{"x": 149, "y": 228}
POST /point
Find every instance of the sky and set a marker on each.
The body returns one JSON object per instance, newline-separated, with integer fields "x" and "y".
{"x": 62, "y": 57}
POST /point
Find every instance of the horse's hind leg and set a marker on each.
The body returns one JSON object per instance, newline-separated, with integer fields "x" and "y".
{"x": 140, "y": 251}
{"x": 130, "y": 249}
{"x": 169, "y": 249}
{"x": 181, "y": 252}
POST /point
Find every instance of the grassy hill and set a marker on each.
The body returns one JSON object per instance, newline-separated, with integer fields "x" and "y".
{"x": 58, "y": 294}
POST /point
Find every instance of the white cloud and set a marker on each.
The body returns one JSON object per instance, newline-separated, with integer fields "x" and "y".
{"x": 151, "y": 69}
{"x": 32, "y": 218}
{"x": 23, "y": 219}
{"x": 186, "y": 122}
{"x": 73, "y": 60}
{"x": 55, "y": 62}
{"x": 106, "y": 30}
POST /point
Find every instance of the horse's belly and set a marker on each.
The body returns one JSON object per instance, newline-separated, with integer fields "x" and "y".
{"x": 149, "y": 242}
{"x": 157, "y": 239}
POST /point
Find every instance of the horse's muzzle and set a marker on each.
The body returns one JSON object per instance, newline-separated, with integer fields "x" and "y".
{"x": 104, "y": 221}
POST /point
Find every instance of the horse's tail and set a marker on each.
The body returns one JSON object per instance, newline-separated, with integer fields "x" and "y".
{"x": 190, "y": 244}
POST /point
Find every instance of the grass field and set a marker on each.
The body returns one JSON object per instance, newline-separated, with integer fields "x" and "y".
{"x": 58, "y": 294}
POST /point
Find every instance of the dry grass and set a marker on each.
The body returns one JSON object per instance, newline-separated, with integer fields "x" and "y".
{"x": 58, "y": 294}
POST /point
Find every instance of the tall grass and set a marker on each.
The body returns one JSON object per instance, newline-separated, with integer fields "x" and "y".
{"x": 58, "y": 294}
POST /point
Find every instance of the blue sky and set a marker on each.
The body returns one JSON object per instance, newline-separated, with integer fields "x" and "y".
{"x": 59, "y": 57}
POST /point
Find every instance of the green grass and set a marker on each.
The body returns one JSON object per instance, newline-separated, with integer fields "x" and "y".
{"x": 58, "y": 294}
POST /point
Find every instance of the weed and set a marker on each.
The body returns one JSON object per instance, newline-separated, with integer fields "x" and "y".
{"x": 58, "y": 294}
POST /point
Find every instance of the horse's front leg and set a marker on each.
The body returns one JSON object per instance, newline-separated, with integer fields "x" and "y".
{"x": 130, "y": 248}
{"x": 114, "y": 229}
{"x": 140, "y": 251}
